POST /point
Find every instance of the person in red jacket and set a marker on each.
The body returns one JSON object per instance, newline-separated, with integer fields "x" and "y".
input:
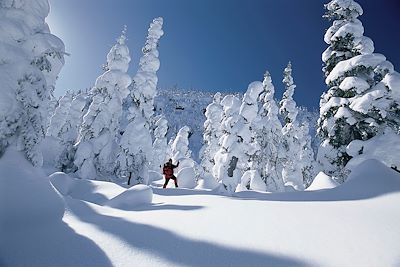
{"x": 168, "y": 171}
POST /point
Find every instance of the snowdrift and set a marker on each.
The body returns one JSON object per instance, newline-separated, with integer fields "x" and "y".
{"x": 368, "y": 180}
{"x": 100, "y": 192}
{"x": 97, "y": 192}
{"x": 26, "y": 194}
{"x": 132, "y": 197}
{"x": 322, "y": 181}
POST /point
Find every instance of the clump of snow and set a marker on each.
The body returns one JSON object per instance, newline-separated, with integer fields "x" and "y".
{"x": 322, "y": 181}
{"x": 207, "y": 182}
{"x": 134, "y": 196}
{"x": 360, "y": 85}
{"x": 251, "y": 180}
{"x": 384, "y": 148}
{"x": 187, "y": 178}
{"x": 27, "y": 196}
{"x": 369, "y": 61}
{"x": 249, "y": 107}
{"x": 392, "y": 81}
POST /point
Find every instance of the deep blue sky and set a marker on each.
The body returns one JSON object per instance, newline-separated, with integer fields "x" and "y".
{"x": 214, "y": 45}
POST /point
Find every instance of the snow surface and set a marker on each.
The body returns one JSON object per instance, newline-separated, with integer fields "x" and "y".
{"x": 349, "y": 225}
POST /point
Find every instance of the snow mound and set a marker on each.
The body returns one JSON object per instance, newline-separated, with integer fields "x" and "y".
{"x": 322, "y": 181}
{"x": 26, "y": 194}
{"x": 369, "y": 179}
{"x": 134, "y": 196}
{"x": 187, "y": 178}
{"x": 208, "y": 183}
{"x": 62, "y": 182}
{"x": 98, "y": 192}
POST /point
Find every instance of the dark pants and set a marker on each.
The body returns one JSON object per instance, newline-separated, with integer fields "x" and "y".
{"x": 167, "y": 180}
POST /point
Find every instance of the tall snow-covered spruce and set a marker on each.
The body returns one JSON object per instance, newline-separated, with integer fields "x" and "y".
{"x": 292, "y": 167}
{"x": 238, "y": 146}
{"x": 71, "y": 132}
{"x": 269, "y": 137}
{"x": 160, "y": 144}
{"x": 135, "y": 156}
{"x": 60, "y": 116}
{"x": 145, "y": 81}
{"x": 359, "y": 104}
{"x": 212, "y": 133}
{"x": 95, "y": 157}
{"x": 227, "y": 156}
{"x": 30, "y": 60}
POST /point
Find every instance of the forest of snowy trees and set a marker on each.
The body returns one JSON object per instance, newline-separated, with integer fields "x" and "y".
{"x": 114, "y": 132}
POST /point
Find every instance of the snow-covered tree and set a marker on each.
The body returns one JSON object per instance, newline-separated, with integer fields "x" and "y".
{"x": 358, "y": 104}
{"x": 180, "y": 146}
{"x": 249, "y": 112}
{"x": 60, "y": 116}
{"x": 226, "y": 159}
{"x": 135, "y": 151}
{"x": 30, "y": 60}
{"x": 288, "y": 108}
{"x": 238, "y": 146}
{"x": 160, "y": 144}
{"x": 188, "y": 169}
{"x": 212, "y": 133}
{"x": 292, "y": 167}
{"x": 309, "y": 167}
{"x": 268, "y": 135}
{"x": 95, "y": 157}
{"x": 145, "y": 81}
{"x": 71, "y": 132}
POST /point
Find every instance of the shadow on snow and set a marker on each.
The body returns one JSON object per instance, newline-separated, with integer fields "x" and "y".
{"x": 174, "y": 248}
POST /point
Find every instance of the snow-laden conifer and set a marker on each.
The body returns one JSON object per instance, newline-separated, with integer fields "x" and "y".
{"x": 145, "y": 81}
{"x": 188, "y": 170}
{"x": 238, "y": 146}
{"x": 291, "y": 138}
{"x": 288, "y": 108}
{"x": 212, "y": 133}
{"x": 269, "y": 137}
{"x": 358, "y": 104}
{"x": 71, "y": 132}
{"x": 309, "y": 167}
{"x": 160, "y": 144}
{"x": 95, "y": 157}
{"x": 134, "y": 152}
{"x": 30, "y": 60}
{"x": 180, "y": 146}
{"x": 226, "y": 157}
{"x": 60, "y": 116}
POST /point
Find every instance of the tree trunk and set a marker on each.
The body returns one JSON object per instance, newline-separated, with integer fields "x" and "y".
{"x": 129, "y": 179}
